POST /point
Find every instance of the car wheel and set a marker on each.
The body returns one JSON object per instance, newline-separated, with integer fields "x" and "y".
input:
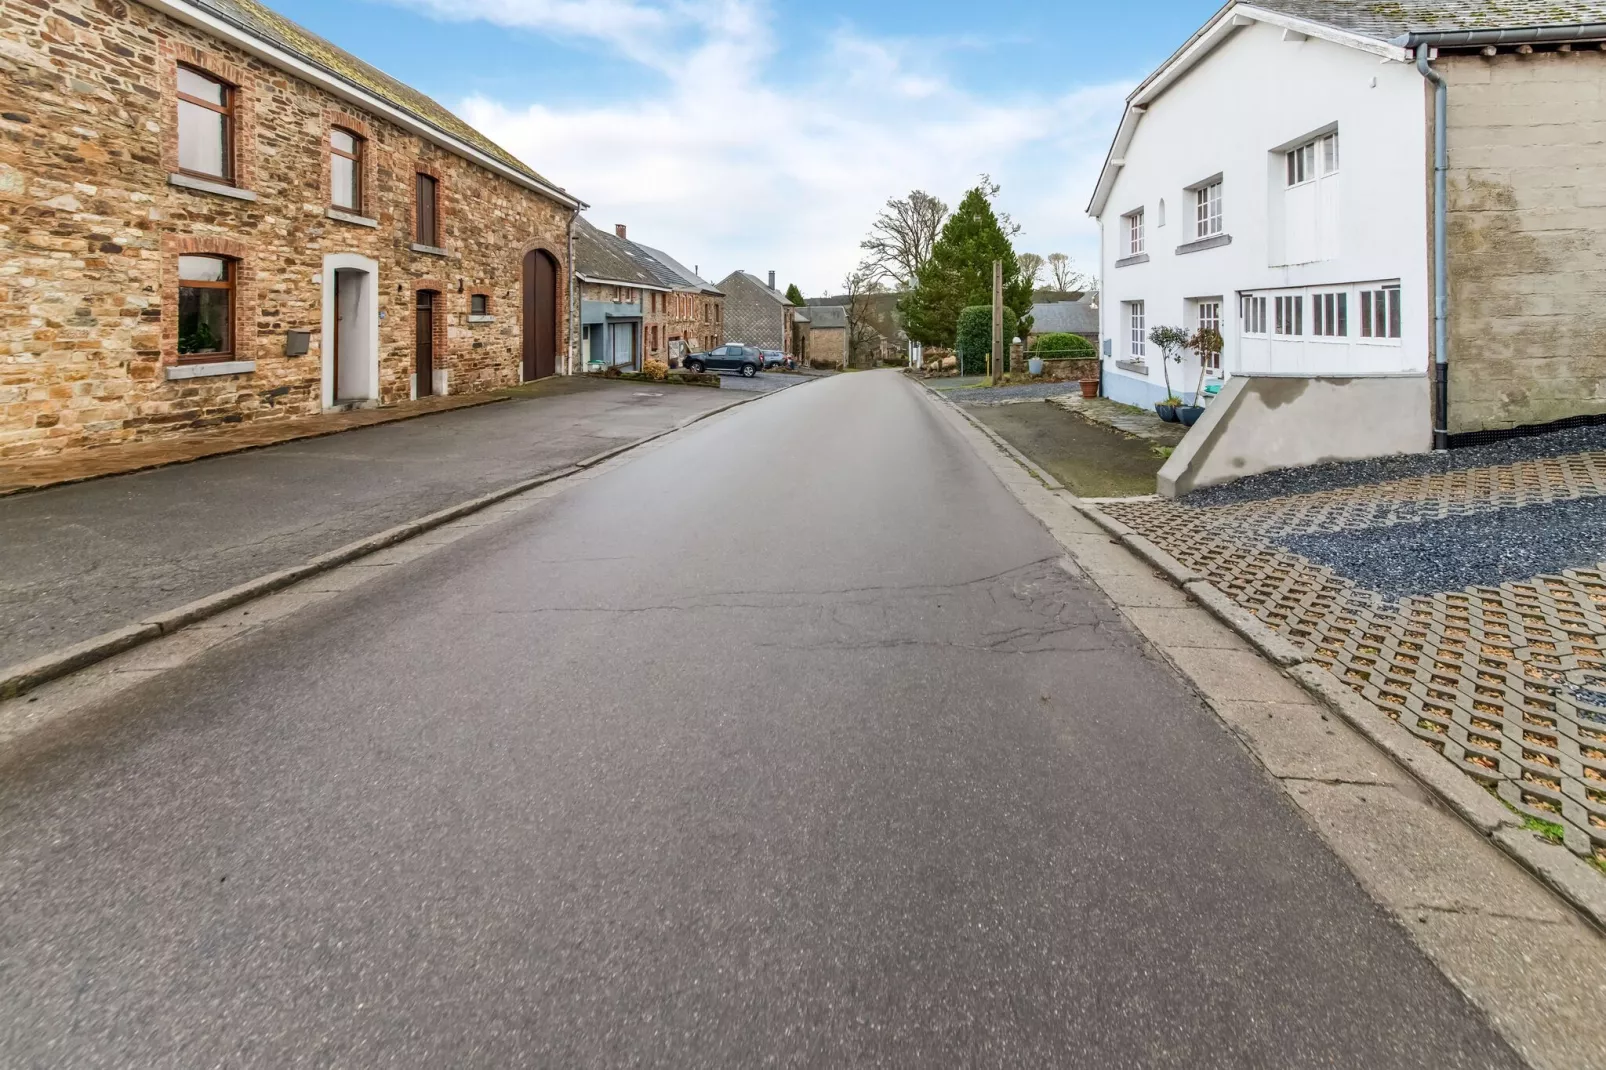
{"x": 696, "y": 366}
{"x": 748, "y": 371}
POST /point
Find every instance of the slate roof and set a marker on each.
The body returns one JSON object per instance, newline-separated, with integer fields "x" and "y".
{"x": 779, "y": 297}
{"x": 601, "y": 255}
{"x": 1072, "y": 317}
{"x": 827, "y": 317}
{"x": 274, "y": 29}
{"x": 1388, "y": 19}
{"x": 675, "y": 274}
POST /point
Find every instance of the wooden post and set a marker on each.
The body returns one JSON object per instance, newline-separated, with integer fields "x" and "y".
{"x": 1000, "y": 359}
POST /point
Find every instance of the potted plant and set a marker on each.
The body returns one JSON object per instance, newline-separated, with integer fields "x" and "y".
{"x": 1204, "y": 341}
{"x": 1172, "y": 342}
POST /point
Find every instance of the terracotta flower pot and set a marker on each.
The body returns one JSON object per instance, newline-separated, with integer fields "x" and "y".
{"x": 1090, "y": 388}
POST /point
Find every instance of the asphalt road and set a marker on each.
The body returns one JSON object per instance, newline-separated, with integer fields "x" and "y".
{"x": 787, "y": 744}
{"x": 82, "y": 559}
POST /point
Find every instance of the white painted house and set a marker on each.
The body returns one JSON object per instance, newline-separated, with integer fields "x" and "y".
{"x": 1267, "y": 181}
{"x": 1276, "y": 178}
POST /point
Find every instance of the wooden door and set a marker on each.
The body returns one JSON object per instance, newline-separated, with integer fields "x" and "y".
{"x": 425, "y": 343}
{"x": 540, "y": 315}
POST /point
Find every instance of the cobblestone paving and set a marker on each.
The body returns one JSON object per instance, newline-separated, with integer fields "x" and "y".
{"x": 1505, "y": 677}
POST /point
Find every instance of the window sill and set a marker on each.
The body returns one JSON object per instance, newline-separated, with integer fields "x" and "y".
{"x": 1128, "y": 261}
{"x": 209, "y": 368}
{"x": 1215, "y": 241}
{"x": 481, "y": 319}
{"x": 340, "y": 215}
{"x": 1136, "y": 367}
{"x": 428, "y": 250}
{"x": 201, "y": 185}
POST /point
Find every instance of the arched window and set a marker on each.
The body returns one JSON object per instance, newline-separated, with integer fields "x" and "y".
{"x": 1159, "y": 215}
{"x": 205, "y": 308}
{"x": 205, "y": 125}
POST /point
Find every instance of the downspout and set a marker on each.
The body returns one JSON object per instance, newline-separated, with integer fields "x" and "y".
{"x": 571, "y": 350}
{"x": 1441, "y": 253}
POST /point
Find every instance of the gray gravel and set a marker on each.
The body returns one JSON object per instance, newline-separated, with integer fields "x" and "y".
{"x": 1003, "y": 395}
{"x": 1322, "y": 477}
{"x": 1456, "y": 552}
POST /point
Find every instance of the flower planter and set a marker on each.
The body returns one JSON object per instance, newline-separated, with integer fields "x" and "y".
{"x": 1168, "y": 413}
{"x": 1189, "y": 414}
{"x": 1090, "y": 388}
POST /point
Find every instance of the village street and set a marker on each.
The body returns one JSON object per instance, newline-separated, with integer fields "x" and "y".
{"x": 743, "y": 752}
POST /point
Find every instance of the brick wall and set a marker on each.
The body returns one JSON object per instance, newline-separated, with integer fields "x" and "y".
{"x": 696, "y": 319}
{"x": 1527, "y": 266}
{"x": 91, "y": 229}
{"x": 828, "y": 345}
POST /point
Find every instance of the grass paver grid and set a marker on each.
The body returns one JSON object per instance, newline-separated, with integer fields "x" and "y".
{"x": 1508, "y": 681}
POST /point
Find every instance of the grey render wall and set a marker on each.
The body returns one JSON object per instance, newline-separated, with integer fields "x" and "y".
{"x": 752, "y": 316}
{"x": 1527, "y": 208}
{"x": 1262, "y": 422}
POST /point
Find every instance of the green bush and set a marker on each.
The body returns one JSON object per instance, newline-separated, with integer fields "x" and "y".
{"x": 974, "y": 339}
{"x": 1062, "y": 344}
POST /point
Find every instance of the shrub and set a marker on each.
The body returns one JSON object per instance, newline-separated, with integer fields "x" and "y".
{"x": 824, "y": 364}
{"x": 656, "y": 370}
{"x": 694, "y": 378}
{"x": 974, "y": 337}
{"x": 1062, "y": 344}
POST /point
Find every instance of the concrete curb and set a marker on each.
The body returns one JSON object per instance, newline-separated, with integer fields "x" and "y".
{"x": 25, "y": 675}
{"x": 1571, "y": 878}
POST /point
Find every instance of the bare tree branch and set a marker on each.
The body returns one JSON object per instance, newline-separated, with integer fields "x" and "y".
{"x": 861, "y": 282}
{"x": 1031, "y": 268}
{"x": 1063, "y": 274}
{"x": 902, "y": 235}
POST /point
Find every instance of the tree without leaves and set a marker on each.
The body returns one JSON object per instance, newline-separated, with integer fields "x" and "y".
{"x": 861, "y": 282}
{"x": 1031, "y": 268}
{"x": 902, "y": 235}
{"x": 1064, "y": 276}
{"x": 960, "y": 271}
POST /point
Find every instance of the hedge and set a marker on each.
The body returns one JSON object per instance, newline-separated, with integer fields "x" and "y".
{"x": 1062, "y": 344}
{"x": 974, "y": 337}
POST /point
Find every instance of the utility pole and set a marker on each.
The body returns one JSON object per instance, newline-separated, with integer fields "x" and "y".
{"x": 1000, "y": 359}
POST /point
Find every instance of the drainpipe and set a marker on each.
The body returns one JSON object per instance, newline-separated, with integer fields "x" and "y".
{"x": 1441, "y": 254}
{"x": 570, "y": 350}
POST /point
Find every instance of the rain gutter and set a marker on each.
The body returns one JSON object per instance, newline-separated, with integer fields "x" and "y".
{"x": 1441, "y": 253}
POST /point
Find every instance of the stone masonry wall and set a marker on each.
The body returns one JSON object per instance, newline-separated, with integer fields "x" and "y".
{"x": 696, "y": 319}
{"x": 751, "y": 315}
{"x": 1527, "y": 140}
{"x": 829, "y": 345}
{"x": 90, "y": 232}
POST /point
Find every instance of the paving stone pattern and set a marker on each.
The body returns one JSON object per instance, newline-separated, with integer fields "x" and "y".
{"x": 1505, "y": 676}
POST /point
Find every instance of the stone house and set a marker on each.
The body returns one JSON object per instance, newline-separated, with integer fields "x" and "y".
{"x": 621, "y": 298}
{"x": 210, "y": 215}
{"x": 756, "y": 313}
{"x": 1419, "y": 305}
{"x": 879, "y": 328}
{"x": 828, "y": 335}
{"x": 690, "y": 315}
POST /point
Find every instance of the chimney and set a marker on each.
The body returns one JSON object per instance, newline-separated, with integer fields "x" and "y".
{"x": 772, "y": 280}
{"x": 619, "y": 229}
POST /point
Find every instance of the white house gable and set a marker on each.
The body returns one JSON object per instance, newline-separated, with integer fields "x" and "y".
{"x": 1278, "y": 188}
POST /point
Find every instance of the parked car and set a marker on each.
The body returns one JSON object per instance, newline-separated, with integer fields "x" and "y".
{"x": 732, "y": 358}
{"x": 774, "y": 358}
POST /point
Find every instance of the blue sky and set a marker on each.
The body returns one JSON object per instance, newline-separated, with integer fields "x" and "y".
{"x": 760, "y": 134}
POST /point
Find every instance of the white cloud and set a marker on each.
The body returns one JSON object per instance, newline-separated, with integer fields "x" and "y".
{"x": 727, "y": 166}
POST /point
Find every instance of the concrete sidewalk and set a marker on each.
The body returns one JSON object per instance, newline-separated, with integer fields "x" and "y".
{"x": 85, "y": 558}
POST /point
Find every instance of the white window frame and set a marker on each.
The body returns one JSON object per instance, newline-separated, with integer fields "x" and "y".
{"x": 1207, "y": 210}
{"x": 1288, "y": 315}
{"x": 1379, "y": 307}
{"x": 1134, "y": 232}
{"x": 1136, "y": 329}
{"x": 1207, "y": 313}
{"x": 1316, "y": 158}
{"x": 1252, "y": 314}
{"x": 1329, "y": 314}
